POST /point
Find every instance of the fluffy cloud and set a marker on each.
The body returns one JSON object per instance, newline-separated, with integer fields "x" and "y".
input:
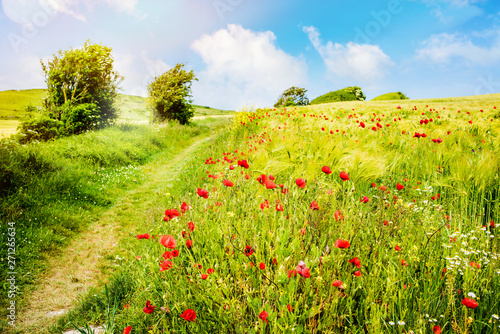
{"x": 244, "y": 67}
{"x": 364, "y": 63}
{"x": 442, "y": 48}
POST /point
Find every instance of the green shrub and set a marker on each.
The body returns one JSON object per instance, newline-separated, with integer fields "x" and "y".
{"x": 391, "y": 96}
{"x": 38, "y": 128}
{"x": 346, "y": 94}
{"x": 80, "y": 118}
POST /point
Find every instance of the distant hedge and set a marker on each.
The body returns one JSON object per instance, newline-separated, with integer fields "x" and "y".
{"x": 346, "y": 94}
{"x": 391, "y": 96}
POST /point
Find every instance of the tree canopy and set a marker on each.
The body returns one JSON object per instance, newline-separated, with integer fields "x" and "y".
{"x": 293, "y": 96}
{"x": 169, "y": 93}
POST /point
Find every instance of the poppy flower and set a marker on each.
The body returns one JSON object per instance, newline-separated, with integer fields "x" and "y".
{"x": 275, "y": 261}
{"x": 470, "y": 303}
{"x": 285, "y": 191}
{"x": 149, "y": 308}
{"x": 175, "y": 253}
{"x": 210, "y": 271}
{"x": 185, "y": 207}
{"x": 264, "y": 205}
{"x": 400, "y": 186}
{"x": 227, "y": 183}
{"x": 365, "y": 199}
{"x": 397, "y": 248}
{"x": 270, "y": 184}
{"x": 167, "y": 255}
{"x": 436, "y": 329}
{"x": 279, "y": 207}
{"x": 191, "y": 226}
{"x": 189, "y": 244}
{"x": 404, "y": 263}
{"x": 143, "y": 236}
{"x": 292, "y": 273}
{"x": 170, "y": 214}
{"x": 314, "y": 205}
{"x": 357, "y": 273}
{"x": 301, "y": 183}
{"x": 492, "y": 224}
{"x": 262, "y": 179}
{"x": 338, "y": 284}
{"x": 303, "y": 231}
{"x": 262, "y": 266}
{"x": 202, "y": 193}
{"x": 243, "y": 163}
{"x": 361, "y": 124}
{"x": 168, "y": 241}
{"x": 290, "y": 308}
{"x": 355, "y": 261}
{"x": 475, "y": 265}
{"x": 127, "y": 330}
{"x": 344, "y": 176}
{"x": 204, "y": 276}
{"x": 263, "y": 315}
{"x": 248, "y": 250}
{"x": 166, "y": 265}
{"x": 338, "y": 215}
{"x": 342, "y": 243}
{"x": 304, "y": 272}
{"x": 383, "y": 188}
{"x": 188, "y": 315}
{"x": 326, "y": 170}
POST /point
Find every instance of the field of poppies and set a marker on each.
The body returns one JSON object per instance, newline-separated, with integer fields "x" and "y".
{"x": 342, "y": 218}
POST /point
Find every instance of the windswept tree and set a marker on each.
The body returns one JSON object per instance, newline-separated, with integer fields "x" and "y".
{"x": 293, "y": 96}
{"x": 82, "y": 77}
{"x": 168, "y": 95}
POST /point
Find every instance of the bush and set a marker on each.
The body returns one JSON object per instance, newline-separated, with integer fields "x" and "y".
{"x": 39, "y": 127}
{"x": 293, "y": 96}
{"x": 346, "y": 94}
{"x": 391, "y": 96}
{"x": 80, "y": 118}
{"x": 168, "y": 96}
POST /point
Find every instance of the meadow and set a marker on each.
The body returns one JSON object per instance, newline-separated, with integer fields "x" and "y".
{"x": 352, "y": 217}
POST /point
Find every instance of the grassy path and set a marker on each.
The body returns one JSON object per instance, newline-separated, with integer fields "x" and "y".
{"x": 89, "y": 258}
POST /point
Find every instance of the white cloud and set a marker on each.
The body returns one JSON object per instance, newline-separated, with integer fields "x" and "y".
{"x": 442, "y": 48}
{"x": 139, "y": 71}
{"x": 364, "y": 63}
{"x": 244, "y": 67}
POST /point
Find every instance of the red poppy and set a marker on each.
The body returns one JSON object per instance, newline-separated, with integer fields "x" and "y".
{"x": 357, "y": 273}
{"x": 185, "y": 207}
{"x": 292, "y": 273}
{"x": 365, "y": 199}
{"x": 397, "y": 248}
{"x": 243, "y": 163}
{"x": 475, "y": 265}
{"x": 167, "y": 255}
{"x": 127, "y": 330}
{"x": 338, "y": 284}
{"x": 355, "y": 261}
{"x": 270, "y": 184}
{"x": 436, "y": 329}
{"x": 149, "y": 308}
{"x": 344, "y": 176}
{"x": 204, "y": 276}
{"x": 168, "y": 241}
{"x": 263, "y": 315}
{"x": 301, "y": 183}
{"x": 303, "y": 231}
{"x": 264, "y": 205}
{"x": 404, "y": 263}
{"x": 383, "y": 188}
{"x": 400, "y": 186}
{"x": 284, "y": 191}
{"x": 342, "y": 243}
{"x": 227, "y": 183}
{"x": 314, "y": 205}
{"x": 166, "y": 265}
{"x": 470, "y": 303}
{"x": 361, "y": 124}
{"x": 279, "y": 207}
{"x": 338, "y": 215}
{"x": 326, "y": 170}
{"x": 188, "y": 315}
{"x": 248, "y": 250}
{"x": 304, "y": 272}
{"x": 175, "y": 253}
{"x": 374, "y": 184}
{"x": 275, "y": 261}
{"x": 143, "y": 236}
{"x": 262, "y": 266}
{"x": 184, "y": 234}
{"x": 262, "y": 179}
{"x": 290, "y": 308}
{"x": 170, "y": 214}
{"x": 202, "y": 193}
{"x": 189, "y": 244}
{"x": 492, "y": 224}
{"x": 210, "y": 271}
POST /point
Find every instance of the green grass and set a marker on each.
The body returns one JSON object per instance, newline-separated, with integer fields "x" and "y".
{"x": 51, "y": 191}
{"x": 405, "y": 285}
{"x": 13, "y": 102}
{"x": 390, "y": 96}
{"x": 344, "y": 94}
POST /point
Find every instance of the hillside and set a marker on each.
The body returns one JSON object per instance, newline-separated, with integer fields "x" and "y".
{"x": 344, "y": 94}
{"x": 391, "y": 96}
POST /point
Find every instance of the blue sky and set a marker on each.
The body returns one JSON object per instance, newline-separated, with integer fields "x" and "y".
{"x": 246, "y": 52}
